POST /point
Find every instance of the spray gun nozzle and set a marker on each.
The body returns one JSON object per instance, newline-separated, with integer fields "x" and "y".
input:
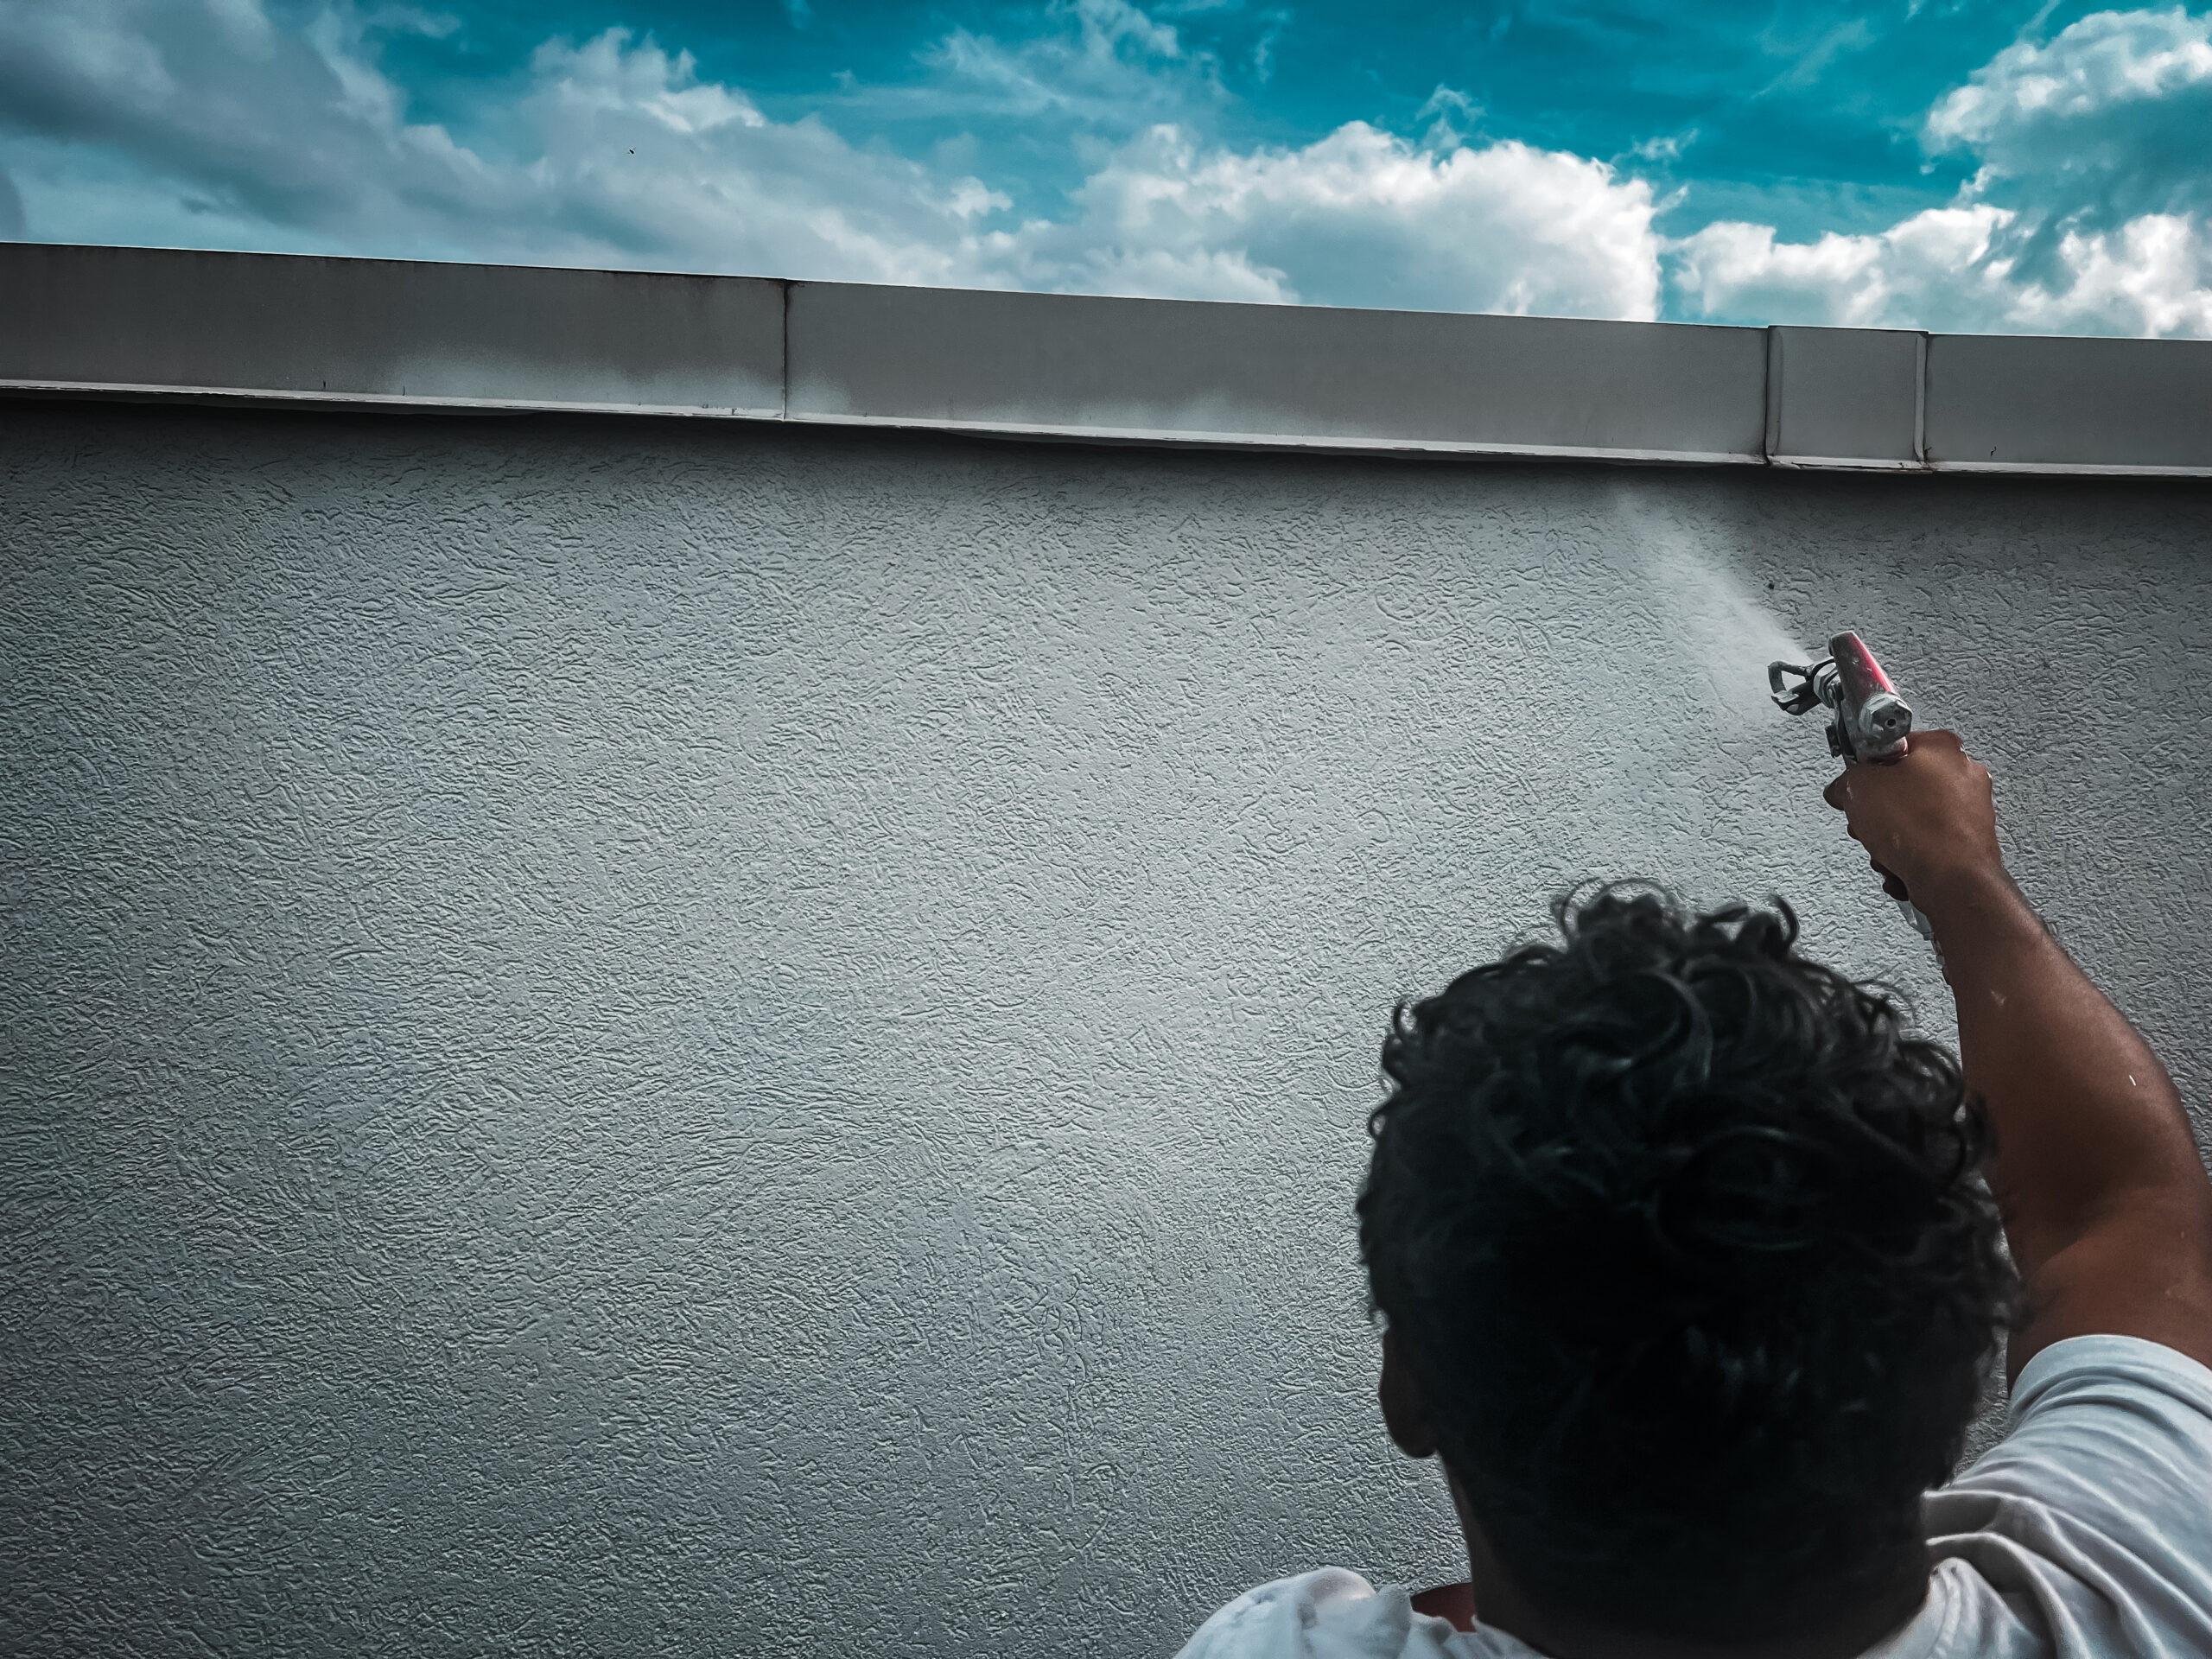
{"x": 1805, "y": 696}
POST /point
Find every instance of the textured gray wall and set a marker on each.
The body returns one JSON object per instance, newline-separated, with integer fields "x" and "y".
{"x": 635, "y": 1036}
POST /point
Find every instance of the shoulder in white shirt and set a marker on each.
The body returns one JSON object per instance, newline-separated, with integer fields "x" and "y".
{"x": 2086, "y": 1533}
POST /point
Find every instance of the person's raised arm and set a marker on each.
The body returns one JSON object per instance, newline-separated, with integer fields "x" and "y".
{"x": 2107, "y": 1208}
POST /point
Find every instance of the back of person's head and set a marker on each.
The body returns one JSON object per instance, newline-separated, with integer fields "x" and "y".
{"x": 1684, "y": 1240}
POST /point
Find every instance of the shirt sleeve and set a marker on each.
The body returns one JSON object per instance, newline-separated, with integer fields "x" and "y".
{"x": 1329, "y": 1613}
{"x": 2092, "y": 1519}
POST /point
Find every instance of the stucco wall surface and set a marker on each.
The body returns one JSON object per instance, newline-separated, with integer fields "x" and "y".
{"x": 625, "y": 1039}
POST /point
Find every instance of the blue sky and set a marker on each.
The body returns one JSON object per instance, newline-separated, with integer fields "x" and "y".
{"x": 1965, "y": 166}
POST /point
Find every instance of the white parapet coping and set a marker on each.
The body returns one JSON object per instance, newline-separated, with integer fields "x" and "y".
{"x": 288, "y": 329}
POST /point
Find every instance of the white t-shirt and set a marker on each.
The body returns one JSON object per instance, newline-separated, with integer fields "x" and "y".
{"x": 2086, "y": 1533}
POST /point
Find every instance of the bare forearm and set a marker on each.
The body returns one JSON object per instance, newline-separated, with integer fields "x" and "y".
{"x": 2083, "y": 1111}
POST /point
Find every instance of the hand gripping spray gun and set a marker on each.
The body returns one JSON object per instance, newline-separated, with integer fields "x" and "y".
{"x": 1871, "y": 722}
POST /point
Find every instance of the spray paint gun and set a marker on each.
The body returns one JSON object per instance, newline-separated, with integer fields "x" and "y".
{"x": 1871, "y": 721}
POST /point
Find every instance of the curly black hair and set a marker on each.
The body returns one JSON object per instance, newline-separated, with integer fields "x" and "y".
{"x": 1687, "y": 1244}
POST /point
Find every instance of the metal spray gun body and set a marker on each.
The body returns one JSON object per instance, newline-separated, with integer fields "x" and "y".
{"x": 1871, "y": 721}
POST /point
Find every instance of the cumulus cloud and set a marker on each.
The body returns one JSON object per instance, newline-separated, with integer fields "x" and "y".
{"x": 2113, "y": 115}
{"x": 1360, "y": 218}
{"x": 613, "y": 152}
{"x": 2091, "y": 211}
{"x": 1854, "y": 282}
{"x": 616, "y": 151}
{"x": 627, "y": 155}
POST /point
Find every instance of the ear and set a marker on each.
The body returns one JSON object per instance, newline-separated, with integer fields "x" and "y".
{"x": 1403, "y": 1414}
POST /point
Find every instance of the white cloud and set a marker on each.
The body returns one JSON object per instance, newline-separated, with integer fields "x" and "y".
{"x": 2113, "y": 61}
{"x": 2091, "y": 211}
{"x": 1665, "y": 147}
{"x": 2108, "y": 121}
{"x": 1948, "y": 269}
{"x": 1931, "y": 271}
{"x": 626, "y": 155}
{"x": 1109, "y": 65}
{"x": 581, "y": 87}
{"x": 2153, "y": 277}
{"x": 1360, "y": 218}
{"x": 615, "y": 152}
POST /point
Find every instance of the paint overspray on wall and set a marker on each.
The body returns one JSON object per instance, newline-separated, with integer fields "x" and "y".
{"x": 1716, "y": 637}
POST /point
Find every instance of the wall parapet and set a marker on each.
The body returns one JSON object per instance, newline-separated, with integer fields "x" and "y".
{"x": 173, "y": 324}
